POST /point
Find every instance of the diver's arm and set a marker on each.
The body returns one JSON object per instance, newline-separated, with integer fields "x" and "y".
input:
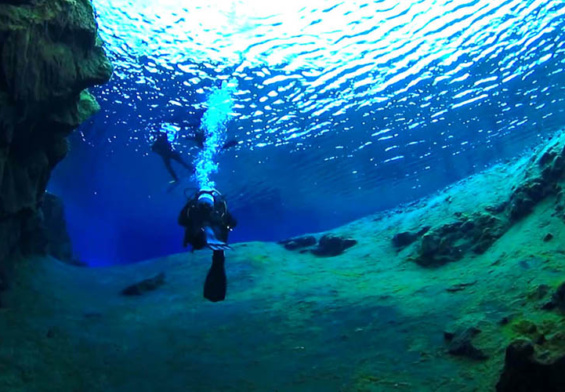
{"x": 231, "y": 222}
{"x": 183, "y": 218}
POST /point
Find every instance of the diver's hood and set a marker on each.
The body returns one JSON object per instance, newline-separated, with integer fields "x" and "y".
{"x": 207, "y": 196}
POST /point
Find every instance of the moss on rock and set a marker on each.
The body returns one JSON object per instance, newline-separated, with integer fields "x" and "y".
{"x": 75, "y": 113}
{"x": 50, "y": 52}
{"x": 538, "y": 178}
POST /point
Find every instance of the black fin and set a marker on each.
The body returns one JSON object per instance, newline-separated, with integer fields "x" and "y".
{"x": 216, "y": 283}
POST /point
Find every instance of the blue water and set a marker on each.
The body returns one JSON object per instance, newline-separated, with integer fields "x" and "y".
{"x": 341, "y": 109}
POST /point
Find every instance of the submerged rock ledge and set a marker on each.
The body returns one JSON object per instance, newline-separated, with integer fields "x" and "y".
{"x": 367, "y": 319}
{"x": 50, "y": 53}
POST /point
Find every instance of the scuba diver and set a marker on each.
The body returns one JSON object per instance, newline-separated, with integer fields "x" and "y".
{"x": 207, "y": 223}
{"x": 164, "y": 148}
{"x": 199, "y": 137}
{"x": 193, "y": 130}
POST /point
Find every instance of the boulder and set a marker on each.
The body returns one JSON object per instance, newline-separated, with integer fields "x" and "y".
{"x": 331, "y": 245}
{"x": 557, "y": 299}
{"x": 524, "y": 371}
{"x": 451, "y": 241}
{"x": 298, "y": 242}
{"x": 460, "y": 344}
{"x": 403, "y": 239}
{"x": 145, "y": 285}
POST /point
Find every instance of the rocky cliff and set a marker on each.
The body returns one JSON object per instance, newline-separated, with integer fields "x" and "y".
{"x": 50, "y": 53}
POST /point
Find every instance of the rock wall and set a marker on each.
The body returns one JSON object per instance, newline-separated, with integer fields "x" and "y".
{"x": 50, "y": 52}
{"x": 53, "y": 234}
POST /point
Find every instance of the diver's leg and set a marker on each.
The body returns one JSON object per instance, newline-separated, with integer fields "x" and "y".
{"x": 229, "y": 144}
{"x": 167, "y": 162}
{"x": 179, "y": 159}
{"x": 216, "y": 283}
{"x": 212, "y": 240}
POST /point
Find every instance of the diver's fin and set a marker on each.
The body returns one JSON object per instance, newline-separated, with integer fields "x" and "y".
{"x": 216, "y": 283}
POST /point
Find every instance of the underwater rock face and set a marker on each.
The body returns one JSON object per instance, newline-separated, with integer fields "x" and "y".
{"x": 523, "y": 372}
{"x": 475, "y": 232}
{"x": 331, "y": 245}
{"x": 58, "y": 241}
{"x": 49, "y": 53}
{"x": 542, "y": 178}
{"x": 46, "y": 233}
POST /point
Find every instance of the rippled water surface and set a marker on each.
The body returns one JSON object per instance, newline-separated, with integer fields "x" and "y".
{"x": 342, "y": 107}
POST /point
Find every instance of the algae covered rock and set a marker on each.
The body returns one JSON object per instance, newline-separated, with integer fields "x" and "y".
{"x": 331, "y": 245}
{"x": 438, "y": 247}
{"x": 76, "y": 113}
{"x": 451, "y": 241}
{"x": 557, "y": 299}
{"x": 477, "y": 230}
{"x": 50, "y": 50}
{"x": 460, "y": 344}
{"x": 401, "y": 240}
{"x": 298, "y": 242}
{"x": 526, "y": 197}
{"x": 142, "y": 287}
{"x": 487, "y": 228}
{"x": 542, "y": 178}
{"x": 49, "y": 53}
{"x": 406, "y": 238}
{"x": 524, "y": 371}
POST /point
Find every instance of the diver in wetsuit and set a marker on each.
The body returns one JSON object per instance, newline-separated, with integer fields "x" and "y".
{"x": 163, "y": 147}
{"x": 192, "y": 130}
{"x": 207, "y": 223}
{"x": 199, "y": 137}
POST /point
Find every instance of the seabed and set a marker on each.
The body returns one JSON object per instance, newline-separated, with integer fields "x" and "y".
{"x": 428, "y": 299}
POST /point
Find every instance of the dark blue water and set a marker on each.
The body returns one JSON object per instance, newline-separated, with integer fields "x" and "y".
{"x": 341, "y": 108}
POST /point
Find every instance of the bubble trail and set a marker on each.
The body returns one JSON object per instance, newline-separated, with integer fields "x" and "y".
{"x": 214, "y": 121}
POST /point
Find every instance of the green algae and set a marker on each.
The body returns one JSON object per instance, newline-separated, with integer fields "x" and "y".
{"x": 50, "y": 53}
